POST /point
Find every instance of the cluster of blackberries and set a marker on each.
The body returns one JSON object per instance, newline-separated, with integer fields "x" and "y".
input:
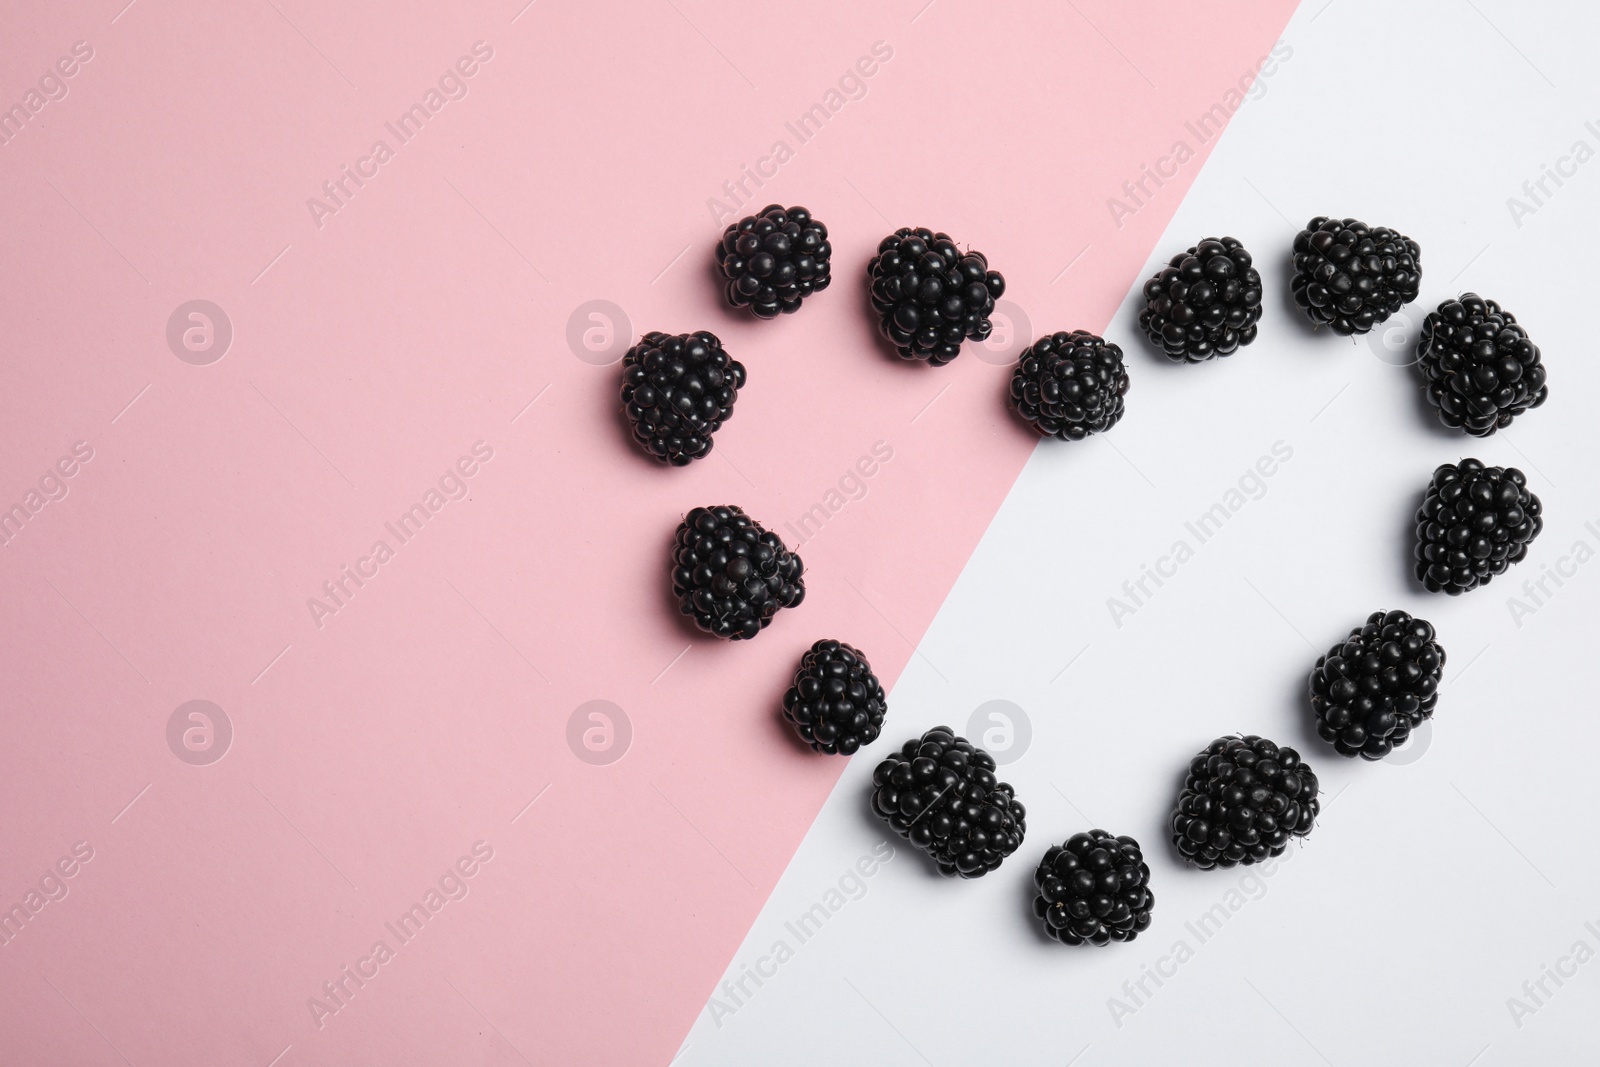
{"x": 1205, "y": 303}
{"x": 1475, "y": 522}
{"x": 1372, "y": 689}
{"x": 1094, "y": 888}
{"x": 730, "y": 575}
{"x": 1243, "y": 799}
{"x": 835, "y": 704}
{"x": 939, "y": 792}
{"x": 774, "y": 259}
{"x": 930, "y": 296}
{"x": 1482, "y": 370}
{"x": 1350, "y": 276}
{"x": 676, "y": 390}
{"x": 1070, "y": 385}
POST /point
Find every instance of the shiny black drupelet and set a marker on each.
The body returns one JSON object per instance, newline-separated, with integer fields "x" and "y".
{"x": 1482, "y": 370}
{"x": 677, "y": 390}
{"x": 773, "y": 260}
{"x": 1204, "y": 303}
{"x": 1094, "y": 889}
{"x": 1243, "y": 799}
{"x": 731, "y": 576}
{"x": 836, "y": 704}
{"x": 1350, "y": 276}
{"x": 1070, "y": 385}
{"x": 939, "y": 792}
{"x": 1475, "y": 522}
{"x": 929, "y": 295}
{"x": 1377, "y": 685}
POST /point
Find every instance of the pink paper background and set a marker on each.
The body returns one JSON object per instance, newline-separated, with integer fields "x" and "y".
{"x": 371, "y": 753}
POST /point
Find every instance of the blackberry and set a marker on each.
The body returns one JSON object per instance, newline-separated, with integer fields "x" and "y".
{"x": 774, "y": 260}
{"x": 1204, "y": 303}
{"x": 939, "y": 792}
{"x": 929, "y": 295}
{"x": 1352, "y": 277}
{"x": 1475, "y": 522}
{"x": 677, "y": 390}
{"x": 730, "y": 575}
{"x": 1377, "y": 685}
{"x": 1070, "y": 385}
{"x": 835, "y": 704}
{"x": 1243, "y": 800}
{"x": 1095, "y": 888}
{"x": 1481, "y": 368}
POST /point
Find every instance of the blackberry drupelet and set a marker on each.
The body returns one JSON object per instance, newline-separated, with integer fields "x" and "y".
{"x": 1070, "y": 385}
{"x": 1243, "y": 800}
{"x": 730, "y": 575}
{"x": 677, "y": 390}
{"x": 1204, "y": 303}
{"x": 835, "y": 704}
{"x": 1475, "y": 522}
{"x": 939, "y": 792}
{"x": 1352, "y": 277}
{"x": 1093, "y": 889}
{"x": 1377, "y": 685}
{"x": 774, "y": 260}
{"x": 1481, "y": 368}
{"x": 929, "y": 295}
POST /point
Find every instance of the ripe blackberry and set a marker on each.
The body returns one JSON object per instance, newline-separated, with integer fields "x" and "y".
{"x": 1094, "y": 888}
{"x": 1204, "y": 303}
{"x": 835, "y": 704}
{"x": 1474, "y": 523}
{"x": 1352, "y": 277}
{"x": 1242, "y": 801}
{"x": 939, "y": 792}
{"x": 730, "y": 575}
{"x": 677, "y": 390}
{"x": 929, "y": 295}
{"x": 1070, "y": 385}
{"x": 1481, "y": 368}
{"x": 774, "y": 260}
{"x": 1377, "y": 685}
